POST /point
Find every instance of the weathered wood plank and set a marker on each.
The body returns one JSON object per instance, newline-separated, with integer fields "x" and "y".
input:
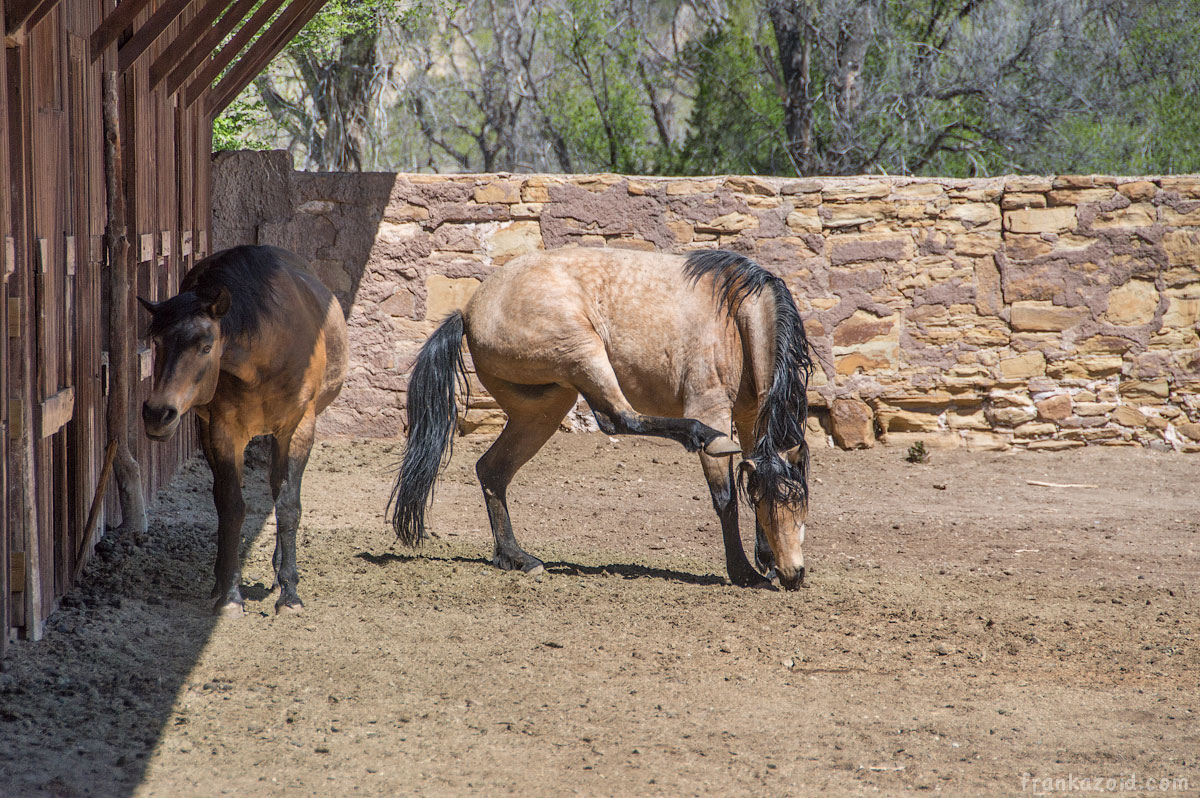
{"x": 57, "y": 410}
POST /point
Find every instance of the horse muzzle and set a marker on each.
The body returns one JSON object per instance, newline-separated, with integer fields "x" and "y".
{"x": 789, "y": 578}
{"x": 160, "y": 422}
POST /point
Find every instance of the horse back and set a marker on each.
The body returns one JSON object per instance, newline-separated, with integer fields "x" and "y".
{"x": 666, "y": 337}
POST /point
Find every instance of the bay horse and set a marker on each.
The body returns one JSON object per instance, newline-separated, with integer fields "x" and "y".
{"x": 686, "y": 349}
{"x": 256, "y": 345}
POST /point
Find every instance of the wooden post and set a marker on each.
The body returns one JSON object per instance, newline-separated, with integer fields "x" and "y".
{"x": 116, "y": 240}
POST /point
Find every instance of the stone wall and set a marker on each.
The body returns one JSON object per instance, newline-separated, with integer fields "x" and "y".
{"x": 1037, "y": 312}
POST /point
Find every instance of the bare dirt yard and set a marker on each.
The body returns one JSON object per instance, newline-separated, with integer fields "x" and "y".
{"x": 963, "y": 631}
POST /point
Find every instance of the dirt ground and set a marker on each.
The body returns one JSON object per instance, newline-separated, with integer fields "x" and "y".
{"x": 963, "y": 631}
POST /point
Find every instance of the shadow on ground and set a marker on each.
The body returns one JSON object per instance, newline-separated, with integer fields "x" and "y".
{"x": 122, "y": 691}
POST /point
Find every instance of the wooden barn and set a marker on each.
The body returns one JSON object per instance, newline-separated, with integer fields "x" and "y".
{"x": 74, "y": 372}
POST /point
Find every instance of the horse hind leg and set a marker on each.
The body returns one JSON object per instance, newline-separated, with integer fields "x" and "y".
{"x": 615, "y": 416}
{"x": 534, "y": 414}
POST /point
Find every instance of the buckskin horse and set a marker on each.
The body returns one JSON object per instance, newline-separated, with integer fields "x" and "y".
{"x": 256, "y": 345}
{"x": 681, "y": 348}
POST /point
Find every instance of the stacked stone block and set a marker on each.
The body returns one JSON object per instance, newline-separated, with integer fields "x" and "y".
{"x": 1036, "y": 312}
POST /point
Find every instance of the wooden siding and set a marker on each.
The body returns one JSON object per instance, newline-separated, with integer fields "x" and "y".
{"x": 53, "y": 372}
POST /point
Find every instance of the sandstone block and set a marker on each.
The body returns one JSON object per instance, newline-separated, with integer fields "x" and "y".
{"x": 865, "y": 247}
{"x": 1145, "y": 388}
{"x": 751, "y": 185}
{"x": 1132, "y": 304}
{"x": 1186, "y": 185}
{"x": 919, "y": 190}
{"x": 806, "y": 186}
{"x": 516, "y": 239}
{"x": 1190, "y": 430}
{"x": 856, "y": 214}
{"x": 872, "y": 190}
{"x": 959, "y": 418}
{"x": 1138, "y": 190}
{"x": 1012, "y": 416}
{"x": 1054, "y": 445}
{"x": 1022, "y": 367}
{"x": 1128, "y": 416}
{"x": 978, "y": 245}
{"x": 1027, "y": 183}
{"x": 853, "y": 424}
{"x": 728, "y": 223}
{"x": 974, "y": 214}
{"x": 597, "y": 183}
{"x": 1183, "y": 247}
{"x": 1142, "y": 214}
{"x": 507, "y": 191}
{"x": 977, "y": 441}
{"x": 1183, "y": 308}
{"x": 863, "y": 327}
{"x": 447, "y": 294}
{"x": 684, "y": 186}
{"x": 1083, "y": 181}
{"x": 1094, "y": 408}
{"x": 1175, "y": 218}
{"x": 1054, "y": 408}
{"x": 805, "y": 220}
{"x": 1035, "y": 429}
{"x": 1043, "y": 316}
{"x": 1040, "y": 220}
{"x": 482, "y": 422}
{"x": 1078, "y": 196}
{"x": 1016, "y": 200}
{"x": 681, "y": 230}
{"x": 867, "y": 362}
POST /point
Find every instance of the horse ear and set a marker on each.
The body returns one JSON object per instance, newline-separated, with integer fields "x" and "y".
{"x": 797, "y": 454}
{"x": 151, "y": 307}
{"x": 219, "y": 305}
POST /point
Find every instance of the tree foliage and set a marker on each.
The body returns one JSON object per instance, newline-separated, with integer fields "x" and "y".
{"x": 948, "y": 87}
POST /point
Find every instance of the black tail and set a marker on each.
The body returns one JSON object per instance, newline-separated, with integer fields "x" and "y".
{"x": 432, "y": 417}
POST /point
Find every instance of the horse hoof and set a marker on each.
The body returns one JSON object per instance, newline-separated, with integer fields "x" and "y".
{"x": 721, "y": 446}
{"x": 229, "y": 610}
{"x": 536, "y": 570}
{"x": 288, "y": 609}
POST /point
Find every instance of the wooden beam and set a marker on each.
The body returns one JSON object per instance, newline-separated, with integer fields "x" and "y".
{"x": 267, "y": 47}
{"x": 145, "y": 35}
{"x": 193, "y": 37}
{"x": 40, "y": 13}
{"x": 20, "y": 12}
{"x": 203, "y": 49}
{"x": 121, "y": 18}
{"x": 230, "y": 51}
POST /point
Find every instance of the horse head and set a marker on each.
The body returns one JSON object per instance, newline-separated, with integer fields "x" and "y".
{"x": 776, "y": 485}
{"x": 188, "y": 344}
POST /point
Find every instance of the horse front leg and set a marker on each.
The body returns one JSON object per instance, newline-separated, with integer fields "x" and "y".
{"x": 718, "y": 471}
{"x": 225, "y": 456}
{"x": 289, "y": 457}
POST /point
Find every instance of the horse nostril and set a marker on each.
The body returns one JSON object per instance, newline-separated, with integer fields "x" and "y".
{"x": 159, "y": 416}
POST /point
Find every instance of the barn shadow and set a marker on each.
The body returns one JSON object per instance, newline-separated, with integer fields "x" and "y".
{"x": 85, "y": 707}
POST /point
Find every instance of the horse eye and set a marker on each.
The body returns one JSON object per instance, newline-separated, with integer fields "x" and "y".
{"x": 207, "y": 348}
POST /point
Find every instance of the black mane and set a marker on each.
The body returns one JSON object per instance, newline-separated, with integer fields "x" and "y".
{"x": 247, "y": 272}
{"x": 784, "y": 412}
